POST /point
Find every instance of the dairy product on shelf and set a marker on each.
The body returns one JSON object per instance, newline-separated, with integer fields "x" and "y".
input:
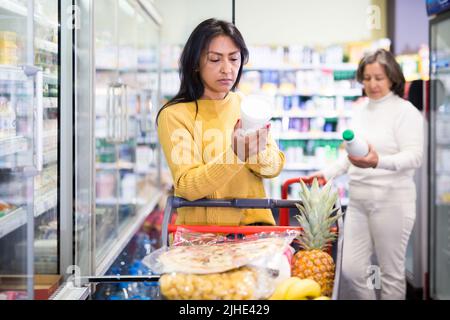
{"x": 105, "y": 185}
{"x": 7, "y": 119}
{"x": 8, "y": 48}
{"x": 128, "y": 185}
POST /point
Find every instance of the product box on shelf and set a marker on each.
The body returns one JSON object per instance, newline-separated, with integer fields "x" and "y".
{"x": 44, "y": 285}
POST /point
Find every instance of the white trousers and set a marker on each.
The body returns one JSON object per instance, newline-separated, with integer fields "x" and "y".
{"x": 380, "y": 229}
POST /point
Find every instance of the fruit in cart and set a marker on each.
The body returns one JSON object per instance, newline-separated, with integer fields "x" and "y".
{"x": 237, "y": 284}
{"x": 316, "y": 218}
{"x": 282, "y": 288}
{"x": 303, "y": 289}
{"x": 295, "y": 288}
{"x": 322, "y": 298}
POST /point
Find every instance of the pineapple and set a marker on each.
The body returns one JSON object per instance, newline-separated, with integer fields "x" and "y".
{"x": 316, "y": 218}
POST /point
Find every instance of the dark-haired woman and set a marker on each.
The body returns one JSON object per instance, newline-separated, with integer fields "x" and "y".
{"x": 382, "y": 206}
{"x": 200, "y": 132}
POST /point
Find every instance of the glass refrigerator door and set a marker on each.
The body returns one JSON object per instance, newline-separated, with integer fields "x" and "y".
{"x": 126, "y": 89}
{"x": 110, "y": 116}
{"x": 116, "y": 173}
{"x": 28, "y": 148}
{"x": 46, "y": 183}
{"x": 440, "y": 156}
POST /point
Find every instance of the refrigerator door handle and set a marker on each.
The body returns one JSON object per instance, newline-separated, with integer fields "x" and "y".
{"x": 124, "y": 113}
{"x": 116, "y": 115}
{"x": 37, "y": 73}
{"x": 39, "y": 130}
{"x": 109, "y": 112}
{"x": 146, "y": 110}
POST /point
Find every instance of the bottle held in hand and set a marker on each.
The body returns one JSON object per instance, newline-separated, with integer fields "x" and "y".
{"x": 355, "y": 146}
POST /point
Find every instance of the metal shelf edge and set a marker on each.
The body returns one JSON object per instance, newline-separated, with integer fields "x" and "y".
{"x": 68, "y": 292}
{"x": 127, "y": 234}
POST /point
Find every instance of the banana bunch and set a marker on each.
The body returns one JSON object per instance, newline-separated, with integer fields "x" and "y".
{"x": 295, "y": 288}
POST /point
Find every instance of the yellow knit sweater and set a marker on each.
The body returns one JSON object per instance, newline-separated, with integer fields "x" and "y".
{"x": 203, "y": 165}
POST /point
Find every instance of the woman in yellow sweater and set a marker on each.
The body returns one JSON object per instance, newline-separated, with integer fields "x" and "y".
{"x": 200, "y": 131}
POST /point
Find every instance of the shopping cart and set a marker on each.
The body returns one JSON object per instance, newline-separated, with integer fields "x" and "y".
{"x": 283, "y": 204}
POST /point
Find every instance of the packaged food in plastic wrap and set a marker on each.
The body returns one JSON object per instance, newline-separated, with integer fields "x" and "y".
{"x": 245, "y": 283}
{"x": 207, "y": 266}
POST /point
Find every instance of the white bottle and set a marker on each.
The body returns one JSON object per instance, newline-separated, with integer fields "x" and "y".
{"x": 129, "y": 187}
{"x": 354, "y": 146}
{"x": 11, "y": 120}
{"x": 3, "y": 118}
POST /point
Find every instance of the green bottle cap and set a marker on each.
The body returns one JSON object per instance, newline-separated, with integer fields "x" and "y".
{"x": 348, "y": 135}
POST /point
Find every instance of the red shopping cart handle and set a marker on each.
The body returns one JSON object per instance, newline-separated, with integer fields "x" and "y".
{"x": 232, "y": 229}
{"x": 236, "y": 230}
{"x": 284, "y": 212}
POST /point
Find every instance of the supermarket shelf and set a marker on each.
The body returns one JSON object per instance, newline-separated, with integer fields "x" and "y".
{"x": 115, "y": 166}
{"x": 12, "y": 221}
{"x": 50, "y": 134}
{"x": 50, "y": 102}
{"x": 141, "y": 140}
{"x": 312, "y": 114}
{"x": 442, "y": 172}
{"x": 9, "y": 146}
{"x": 46, "y": 46}
{"x": 46, "y": 202}
{"x": 12, "y": 73}
{"x": 146, "y": 170}
{"x": 126, "y": 234}
{"x": 50, "y": 76}
{"x": 301, "y": 167}
{"x": 446, "y": 252}
{"x": 120, "y": 201}
{"x": 338, "y": 66}
{"x": 21, "y": 10}
{"x": 104, "y": 115}
{"x": 51, "y": 156}
{"x": 69, "y": 292}
{"x": 126, "y": 70}
{"x": 443, "y": 144}
{"x": 341, "y": 93}
{"x": 307, "y": 136}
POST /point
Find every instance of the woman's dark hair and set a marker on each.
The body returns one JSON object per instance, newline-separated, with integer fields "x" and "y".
{"x": 393, "y": 70}
{"x": 191, "y": 87}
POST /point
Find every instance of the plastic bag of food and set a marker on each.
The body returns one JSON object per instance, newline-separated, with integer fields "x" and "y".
{"x": 207, "y": 266}
{"x": 244, "y": 283}
{"x": 193, "y": 253}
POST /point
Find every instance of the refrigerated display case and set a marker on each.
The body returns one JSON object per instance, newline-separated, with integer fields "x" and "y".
{"x": 29, "y": 108}
{"x": 439, "y": 156}
{"x": 417, "y": 248}
{"x": 116, "y": 151}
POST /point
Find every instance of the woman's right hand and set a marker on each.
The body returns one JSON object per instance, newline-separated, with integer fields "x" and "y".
{"x": 247, "y": 145}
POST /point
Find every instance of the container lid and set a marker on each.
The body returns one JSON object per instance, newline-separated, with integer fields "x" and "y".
{"x": 348, "y": 135}
{"x": 256, "y": 107}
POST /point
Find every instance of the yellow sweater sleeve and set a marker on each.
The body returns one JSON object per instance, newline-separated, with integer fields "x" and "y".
{"x": 192, "y": 178}
{"x": 268, "y": 163}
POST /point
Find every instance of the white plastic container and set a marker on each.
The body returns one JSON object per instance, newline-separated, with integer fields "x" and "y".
{"x": 256, "y": 112}
{"x": 355, "y": 147}
{"x": 129, "y": 187}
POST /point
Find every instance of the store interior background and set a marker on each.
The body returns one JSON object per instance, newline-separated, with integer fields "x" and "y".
{"x": 303, "y": 54}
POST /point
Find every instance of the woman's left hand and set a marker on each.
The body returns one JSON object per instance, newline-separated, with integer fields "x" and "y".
{"x": 369, "y": 161}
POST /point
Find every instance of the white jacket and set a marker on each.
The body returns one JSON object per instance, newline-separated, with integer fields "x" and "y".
{"x": 395, "y": 129}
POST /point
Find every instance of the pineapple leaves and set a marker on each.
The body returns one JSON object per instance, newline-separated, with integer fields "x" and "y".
{"x": 317, "y": 215}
